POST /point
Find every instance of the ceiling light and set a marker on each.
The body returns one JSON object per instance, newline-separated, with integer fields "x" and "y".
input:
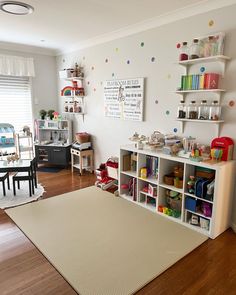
{"x": 14, "y": 7}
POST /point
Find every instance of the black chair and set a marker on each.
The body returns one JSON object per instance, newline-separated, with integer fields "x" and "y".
{"x": 24, "y": 176}
{"x": 3, "y": 177}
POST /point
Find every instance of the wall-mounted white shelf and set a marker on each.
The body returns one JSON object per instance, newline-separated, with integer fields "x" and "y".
{"x": 199, "y": 91}
{"x": 221, "y": 203}
{"x": 74, "y": 79}
{"x": 221, "y": 58}
{"x": 216, "y": 123}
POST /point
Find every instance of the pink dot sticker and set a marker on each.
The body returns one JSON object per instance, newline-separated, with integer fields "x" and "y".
{"x": 178, "y": 45}
{"x": 232, "y": 103}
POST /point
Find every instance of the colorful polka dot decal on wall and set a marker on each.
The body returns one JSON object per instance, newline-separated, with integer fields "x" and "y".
{"x": 211, "y": 23}
{"x": 153, "y": 59}
{"x": 117, "y": 49}
{"x": 156, "y": 101}
{"x": 113, "y": 74}
{"x": 231, "y": 103}
{"x": 94, "y": 89}
{"x": 175, "y": 130}
{"x": 128, "y": 62}
{"x": 83, "y": 57}
{"x": 178, "y": 45}
{"x": 202, "y": 69}
{"x": 63, "y": 60}
{"x": 106, "y": 60}
{"x": 88, "y": 82}
{"x": 92, "y": 68}
{"x": 142, "y": 44}
{"x": 169, "y": 76}
{"x": 167, "y": 113}
{"x": 101, "y": 83}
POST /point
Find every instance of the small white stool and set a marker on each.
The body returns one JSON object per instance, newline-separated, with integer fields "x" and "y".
{"x": 86, "y": 153}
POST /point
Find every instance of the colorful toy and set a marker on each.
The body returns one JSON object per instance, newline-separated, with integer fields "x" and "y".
{"x": 226, "y": 144}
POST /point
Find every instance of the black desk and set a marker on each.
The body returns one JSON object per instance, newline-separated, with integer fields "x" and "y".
{"x": 17, "y": 166}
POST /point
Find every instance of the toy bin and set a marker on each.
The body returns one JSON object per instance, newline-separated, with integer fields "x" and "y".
{"x": 190, "y": 204}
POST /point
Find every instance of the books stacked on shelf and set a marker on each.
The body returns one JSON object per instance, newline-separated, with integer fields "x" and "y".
{"x": 152, "y": 166}
{"x": 199, "y": 82}
{"x": 133, "y": 188}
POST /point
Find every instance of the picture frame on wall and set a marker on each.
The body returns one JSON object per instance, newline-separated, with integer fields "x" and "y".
{"x": 124, "y": 99}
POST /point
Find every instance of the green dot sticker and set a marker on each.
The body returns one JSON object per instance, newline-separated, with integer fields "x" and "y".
{"x": 142, "y": 44}
{"x": 167, "y": 113}
{"x": 117, "y": 49}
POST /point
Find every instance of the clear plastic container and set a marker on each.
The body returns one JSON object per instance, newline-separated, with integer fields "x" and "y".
{"x": 181, "y": 110}
{"x": 184, "y": 51}
{"x": 192, "y": 112}
{"x": 195, "y": 49}
{"x": 203, "y": 110}
{"x": 215, "y": 111}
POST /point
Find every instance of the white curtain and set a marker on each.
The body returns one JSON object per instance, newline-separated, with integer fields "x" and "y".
{"x": 16, "y": 66}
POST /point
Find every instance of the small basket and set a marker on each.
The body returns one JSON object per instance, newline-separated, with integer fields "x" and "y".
{"x": 169, "y": 179}
{"x": 82, "y": 137}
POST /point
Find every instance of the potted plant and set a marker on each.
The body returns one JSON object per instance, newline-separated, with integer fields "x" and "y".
{"x": 42, "y": 113}
{"x": 51, "y": 114}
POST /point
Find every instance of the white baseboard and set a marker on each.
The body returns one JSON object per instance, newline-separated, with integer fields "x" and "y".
{"x": 233, "y": 226}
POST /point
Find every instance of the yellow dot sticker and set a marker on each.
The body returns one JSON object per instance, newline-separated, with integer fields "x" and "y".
{"x": 211, "y": 23}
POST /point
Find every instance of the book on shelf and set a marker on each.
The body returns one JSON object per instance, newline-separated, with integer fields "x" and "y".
{"x": 199, "y": 81}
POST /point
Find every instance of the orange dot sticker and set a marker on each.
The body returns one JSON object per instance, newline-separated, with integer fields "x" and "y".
{"x": 211, "y": 23}
{"x": 232, "y": 103}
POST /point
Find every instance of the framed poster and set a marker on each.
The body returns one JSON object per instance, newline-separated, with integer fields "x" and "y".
{"x": 124, "y": 98}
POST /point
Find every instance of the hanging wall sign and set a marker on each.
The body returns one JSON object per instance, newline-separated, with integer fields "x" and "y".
{"x": 124, "y": 99}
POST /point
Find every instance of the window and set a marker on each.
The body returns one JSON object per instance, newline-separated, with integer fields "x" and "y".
{"x": 15, "y": 101}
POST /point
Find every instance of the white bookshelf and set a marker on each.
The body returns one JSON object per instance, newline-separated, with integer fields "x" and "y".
{"x": 221, "y": 204}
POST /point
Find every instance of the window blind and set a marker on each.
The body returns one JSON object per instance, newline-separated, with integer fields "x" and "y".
{"x": 15, "y": 102}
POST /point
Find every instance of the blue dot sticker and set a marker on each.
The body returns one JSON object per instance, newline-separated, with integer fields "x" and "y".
{"x": 167, "y": 113}
{"x": 175, "y": 130}
{"x": 128, "y": 62}
{"x": 153, "y": 59}
{"x": 202, "y": 69}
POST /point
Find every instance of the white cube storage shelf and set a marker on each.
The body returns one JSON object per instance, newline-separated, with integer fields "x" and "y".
{"x": 221, "y": 204}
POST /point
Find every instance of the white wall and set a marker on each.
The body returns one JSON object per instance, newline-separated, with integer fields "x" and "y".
{"x": 162, "y": 79}
{"x": 44, "y": 83}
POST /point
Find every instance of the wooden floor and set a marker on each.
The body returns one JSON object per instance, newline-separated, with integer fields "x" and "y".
{"x": 210, "y": 269}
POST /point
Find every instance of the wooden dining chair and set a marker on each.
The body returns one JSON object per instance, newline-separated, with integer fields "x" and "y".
{"x": 3, "y": 177}
{"x": 25, "y": 176}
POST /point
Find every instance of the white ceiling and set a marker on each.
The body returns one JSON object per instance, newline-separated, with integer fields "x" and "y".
{"x": 69, "y": 24}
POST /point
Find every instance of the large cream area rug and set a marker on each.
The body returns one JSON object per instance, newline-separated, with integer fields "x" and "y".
{"x": 102, "y": 244}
